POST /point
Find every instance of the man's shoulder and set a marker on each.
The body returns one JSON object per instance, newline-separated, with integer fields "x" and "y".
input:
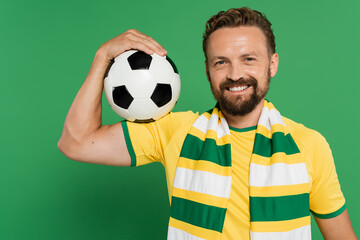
{"x": 175, "y": 121}
{"x": 183, "y": 114}
{"x": 180, "y": 117}
{"x": 170, "y": 123}
{"x": 303, "y": 135}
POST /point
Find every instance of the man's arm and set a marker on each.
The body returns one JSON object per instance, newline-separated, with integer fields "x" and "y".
{"x": 336, "y": 228}
{"x": 84, "y": 138}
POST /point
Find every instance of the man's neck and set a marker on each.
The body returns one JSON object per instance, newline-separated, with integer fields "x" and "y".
{"x": 249, "y": 120}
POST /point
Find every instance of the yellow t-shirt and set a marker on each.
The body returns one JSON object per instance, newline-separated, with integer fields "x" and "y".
{"x": 237, "y": 218}
{"x": 162, "y": 141}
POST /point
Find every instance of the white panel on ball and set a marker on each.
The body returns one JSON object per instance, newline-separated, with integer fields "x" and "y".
{"x": 161, "y": 69}
{"x": 142, "y": 109}
{"x": 164, "y": 110}
{"x": 108, "y": 91}
{"x": 175, "y": 88}
{"x": 140, "y": 84}
{"x": 119, "y": 71}
{"x": 123, "y": 113}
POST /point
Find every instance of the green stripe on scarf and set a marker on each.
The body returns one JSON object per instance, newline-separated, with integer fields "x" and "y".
{"x": 279, "y": 208}
{"x": 198, "y": 214}
{"x": 195, "y": 148}
{"x": 266, "y": 147}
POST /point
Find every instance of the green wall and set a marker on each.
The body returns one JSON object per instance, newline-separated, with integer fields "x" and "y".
{"x": 46, "y": 50}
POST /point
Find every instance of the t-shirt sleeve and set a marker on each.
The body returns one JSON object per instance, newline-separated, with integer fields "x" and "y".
{"x": 326, "y": 197}
{"x": 146, "y": 142}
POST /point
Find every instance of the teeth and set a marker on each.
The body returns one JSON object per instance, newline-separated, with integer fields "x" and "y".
{"x": 233, "y": 89}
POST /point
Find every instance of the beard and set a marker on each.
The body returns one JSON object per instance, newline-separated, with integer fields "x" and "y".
{"x": 239, "y": 105}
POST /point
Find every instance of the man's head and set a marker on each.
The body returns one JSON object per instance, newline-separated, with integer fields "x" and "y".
{"x": 240, "y": 59}
{"x": 236, "y": 17}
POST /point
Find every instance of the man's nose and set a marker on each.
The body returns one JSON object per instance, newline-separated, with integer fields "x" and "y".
{"x": 235, "y": 72}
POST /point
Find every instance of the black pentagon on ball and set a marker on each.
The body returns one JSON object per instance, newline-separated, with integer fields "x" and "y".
{"x": 122, "y": 97}
{"x": 172, "y": 64}
{"x": 139, "y": 60}
{"x": 162, "y": 94}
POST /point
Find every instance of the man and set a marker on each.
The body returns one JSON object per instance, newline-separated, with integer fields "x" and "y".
{"x": 239, "y": 171}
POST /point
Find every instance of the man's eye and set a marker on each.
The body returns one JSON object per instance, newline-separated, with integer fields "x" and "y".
{"x": 220, "y": 62}
{"x": 249, "y": 59}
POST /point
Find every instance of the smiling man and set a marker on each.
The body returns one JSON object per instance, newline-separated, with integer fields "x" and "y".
{"x": 240, "y": 170}
{"x": 239, "y": 67}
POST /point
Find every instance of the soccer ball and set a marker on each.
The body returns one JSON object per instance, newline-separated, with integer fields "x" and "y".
{"x": 141, "y": 87}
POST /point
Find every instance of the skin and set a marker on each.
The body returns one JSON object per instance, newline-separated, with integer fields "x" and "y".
{"x": 240, "y": 52}
{"x": 85, "y": 139}
{"x": 339, "y": 227}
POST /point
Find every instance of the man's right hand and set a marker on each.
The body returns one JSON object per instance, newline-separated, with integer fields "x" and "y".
{"x": 84, "y": 138}
{"x": 130, "y": 40}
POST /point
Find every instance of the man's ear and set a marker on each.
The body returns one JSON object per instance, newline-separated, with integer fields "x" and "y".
{"x": 274, "y": 64}
{"x": 207, "y": 71}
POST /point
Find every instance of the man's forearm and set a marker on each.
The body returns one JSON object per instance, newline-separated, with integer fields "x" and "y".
{"x": 84, "y": 115}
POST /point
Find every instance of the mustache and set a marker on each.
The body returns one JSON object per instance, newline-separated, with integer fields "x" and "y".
{"x": 228, "y": 83}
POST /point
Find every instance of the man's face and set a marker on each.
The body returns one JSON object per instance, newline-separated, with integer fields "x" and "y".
{"x": 239, "y": 68}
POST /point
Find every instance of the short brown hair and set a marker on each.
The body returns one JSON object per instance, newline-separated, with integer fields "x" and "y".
{"x": 236, "y": 17}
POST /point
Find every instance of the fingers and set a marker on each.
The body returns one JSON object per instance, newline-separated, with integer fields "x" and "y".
{"x": 145, "y": 43}
{"x": 131, "y": 39}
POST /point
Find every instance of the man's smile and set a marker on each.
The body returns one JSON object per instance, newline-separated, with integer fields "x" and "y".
{"x": 238, "y": 88}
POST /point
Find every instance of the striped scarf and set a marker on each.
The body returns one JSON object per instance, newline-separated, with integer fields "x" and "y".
{"x": 278, "y": 181}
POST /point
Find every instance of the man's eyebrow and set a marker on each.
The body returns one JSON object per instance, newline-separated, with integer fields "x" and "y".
{"x": 249, "y": 54}
{"x": 218, "y": 58}
{"x": 225, "y": 58}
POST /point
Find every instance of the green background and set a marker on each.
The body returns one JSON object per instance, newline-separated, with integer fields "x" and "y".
{"x": 46, "y": 50}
